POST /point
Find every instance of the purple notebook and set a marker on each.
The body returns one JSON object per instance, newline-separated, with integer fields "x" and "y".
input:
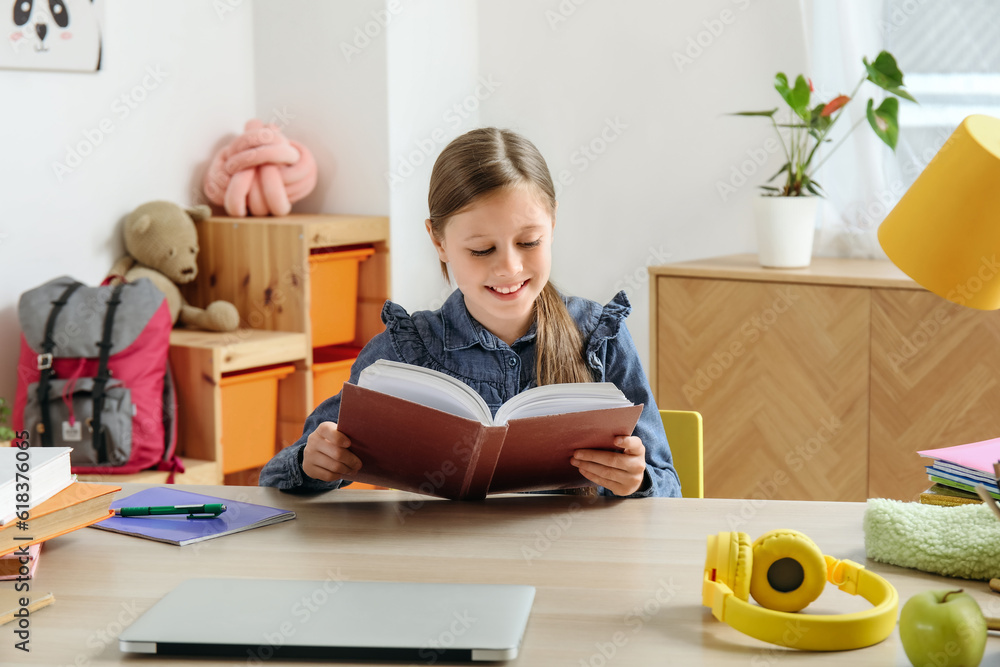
{"x": 180, "y": 530}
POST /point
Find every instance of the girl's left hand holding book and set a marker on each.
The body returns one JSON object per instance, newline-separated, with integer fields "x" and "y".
{"x": 619, "y": 472}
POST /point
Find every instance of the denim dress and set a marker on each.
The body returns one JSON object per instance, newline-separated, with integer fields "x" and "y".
{"x": 451, "y": 341}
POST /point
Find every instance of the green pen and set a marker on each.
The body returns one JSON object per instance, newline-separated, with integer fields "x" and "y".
{"x": 209, "y": 511}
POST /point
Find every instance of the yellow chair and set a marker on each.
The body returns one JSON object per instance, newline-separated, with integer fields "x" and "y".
{"x": 684, "y": 434}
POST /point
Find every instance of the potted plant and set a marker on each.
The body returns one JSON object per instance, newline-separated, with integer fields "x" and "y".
{"x": 6, "y": 432}
{"x": 785, "y": 215}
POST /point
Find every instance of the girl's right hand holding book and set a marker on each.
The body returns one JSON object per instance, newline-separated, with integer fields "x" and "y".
{"x": 327, "y": 456}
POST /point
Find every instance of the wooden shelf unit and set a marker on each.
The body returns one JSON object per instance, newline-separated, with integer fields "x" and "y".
{"x": 262, "y": 266}
{"x": 820, "y": 383}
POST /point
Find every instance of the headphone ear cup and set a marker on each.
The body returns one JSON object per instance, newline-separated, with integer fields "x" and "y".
{"x": 789, "y": 570}
{"x": 741, "y": 553}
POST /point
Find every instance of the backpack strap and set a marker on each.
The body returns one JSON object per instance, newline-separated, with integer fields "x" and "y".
{"x": 103, "y": 375}
{"x": 45, "y": 361}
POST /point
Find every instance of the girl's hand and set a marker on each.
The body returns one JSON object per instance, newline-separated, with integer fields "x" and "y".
{"x": 326, "y": 456}
{"x": 619, "y": 472}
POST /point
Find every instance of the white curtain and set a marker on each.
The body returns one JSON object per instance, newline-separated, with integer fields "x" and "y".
{"x": 857, "y": 177}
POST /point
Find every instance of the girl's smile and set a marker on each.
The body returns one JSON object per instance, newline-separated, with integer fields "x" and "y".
{"x": 507, "y": 291}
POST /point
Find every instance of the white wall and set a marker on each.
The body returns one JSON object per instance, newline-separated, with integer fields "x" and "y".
{"x": 656, "y": 78}
{"x": 434, "y": 96}
{"x": 52, "y": 226}
{"x": 372, "y": 87}
{"x": 321, "y": 75}
{"x": 628, "y": 102}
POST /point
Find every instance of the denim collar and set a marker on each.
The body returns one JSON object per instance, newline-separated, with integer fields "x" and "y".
{"x": 462, "y": 330}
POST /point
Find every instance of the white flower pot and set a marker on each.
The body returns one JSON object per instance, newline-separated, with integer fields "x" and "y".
{"x": 785, "y": 229}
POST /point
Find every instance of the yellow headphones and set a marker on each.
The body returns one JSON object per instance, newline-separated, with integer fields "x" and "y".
{"x": 784, "y": 571}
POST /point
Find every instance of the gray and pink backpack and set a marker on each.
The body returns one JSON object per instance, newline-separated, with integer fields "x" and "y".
{"x": 93, "y": 374}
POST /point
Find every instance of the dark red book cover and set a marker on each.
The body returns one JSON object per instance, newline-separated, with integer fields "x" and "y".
{"x": 537, "y": 450}
{"x": 411, "y": 447}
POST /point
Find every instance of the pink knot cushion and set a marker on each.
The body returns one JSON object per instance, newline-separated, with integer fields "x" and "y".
{"x": 261, "y": 171}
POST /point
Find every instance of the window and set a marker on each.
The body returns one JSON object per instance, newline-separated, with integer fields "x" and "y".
{"x": 950, "y": 54}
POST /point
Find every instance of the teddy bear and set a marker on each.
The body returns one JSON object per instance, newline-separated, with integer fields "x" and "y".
{"x": 162, "y": 245}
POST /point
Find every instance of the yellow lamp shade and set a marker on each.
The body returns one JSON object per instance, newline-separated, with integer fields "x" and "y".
{"x": 945, "y": 231}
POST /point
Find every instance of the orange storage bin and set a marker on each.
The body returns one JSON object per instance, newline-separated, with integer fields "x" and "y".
{"x": 250, "y": 416}
{"x": 331, "y": 369}
{"x": 333, "y": 292}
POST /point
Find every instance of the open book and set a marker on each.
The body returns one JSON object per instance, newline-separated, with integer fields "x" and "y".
{"x": 420, "y": 430}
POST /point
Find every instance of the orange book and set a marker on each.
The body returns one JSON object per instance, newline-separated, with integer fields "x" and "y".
{"x": 457, "y": 449}
{"x": 78, "y": 505}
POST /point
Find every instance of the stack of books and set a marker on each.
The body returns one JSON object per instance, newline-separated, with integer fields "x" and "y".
{"x": 56, "y": 504}
{"x": 957, "y": 470}
{"x": 36, "y": 472}
{"x": 939, "y": 494}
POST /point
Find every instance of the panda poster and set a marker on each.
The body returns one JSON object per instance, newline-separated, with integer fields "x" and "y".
{"x": 63, "y": 35}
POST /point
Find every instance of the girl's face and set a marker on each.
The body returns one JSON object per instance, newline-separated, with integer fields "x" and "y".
{"x": 499, "y": 252}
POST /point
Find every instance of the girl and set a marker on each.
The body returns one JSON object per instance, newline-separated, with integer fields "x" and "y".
{"x": 506, "y": 328}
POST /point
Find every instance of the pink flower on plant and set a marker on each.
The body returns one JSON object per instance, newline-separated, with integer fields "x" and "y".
{"x": 834, "y": 104}
{"x": 811, "y": 89}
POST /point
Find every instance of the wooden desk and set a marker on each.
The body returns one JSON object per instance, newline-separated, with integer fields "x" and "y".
{"x": 625, "y": 571}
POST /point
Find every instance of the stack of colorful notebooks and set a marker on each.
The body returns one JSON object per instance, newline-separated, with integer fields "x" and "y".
{"x": 957, "y": 470}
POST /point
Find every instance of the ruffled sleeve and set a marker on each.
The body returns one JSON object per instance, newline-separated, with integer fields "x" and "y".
{"x": 403, "y": 334}
{"x": 609, "y": 322}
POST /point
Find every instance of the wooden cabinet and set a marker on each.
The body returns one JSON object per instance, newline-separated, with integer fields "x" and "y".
{"x": 820, "y": 383}
{"x": 262, "y": 266}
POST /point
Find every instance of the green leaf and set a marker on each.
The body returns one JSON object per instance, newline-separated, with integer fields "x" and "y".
{"x": 778, "y": 173}
{"x": 885, "y": 74}
{"x": 902, "y": 93}
{"x": 797, "y": 97}
{"x": 800, "y": 98}
{"x": 769, "y": 188}
{"x": 884, "y": 120}
{"x": 818, "y": 121}
{"x": 756, "y": 113}
{"x": 813, "y": 187}
{"x": 781, "y": 85}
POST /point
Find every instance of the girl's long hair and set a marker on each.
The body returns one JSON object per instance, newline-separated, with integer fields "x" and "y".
{"x": 481, "y": 163}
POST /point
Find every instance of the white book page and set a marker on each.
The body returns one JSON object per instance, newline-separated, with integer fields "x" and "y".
{"x": 557, "y": 399}
{"x": 48, "y": 471}
{"x": 426, "y": 387}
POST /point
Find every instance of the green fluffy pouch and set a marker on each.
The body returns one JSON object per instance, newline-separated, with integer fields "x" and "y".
{"x": 962, "y": 541}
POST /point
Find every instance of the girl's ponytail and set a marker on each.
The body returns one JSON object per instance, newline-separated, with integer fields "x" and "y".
{"x": 559, "y": 348}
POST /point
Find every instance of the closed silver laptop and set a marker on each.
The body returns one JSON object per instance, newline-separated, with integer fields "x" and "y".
{"x": 262, "y": 619}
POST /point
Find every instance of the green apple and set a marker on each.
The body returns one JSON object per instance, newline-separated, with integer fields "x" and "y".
{"x": 943, "y": 629}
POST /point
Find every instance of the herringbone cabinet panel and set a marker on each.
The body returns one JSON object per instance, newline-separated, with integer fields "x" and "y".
{"x": 934, "y": 384}
{"x": 780, "y": 373}
{"x": 927, "y": 378}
